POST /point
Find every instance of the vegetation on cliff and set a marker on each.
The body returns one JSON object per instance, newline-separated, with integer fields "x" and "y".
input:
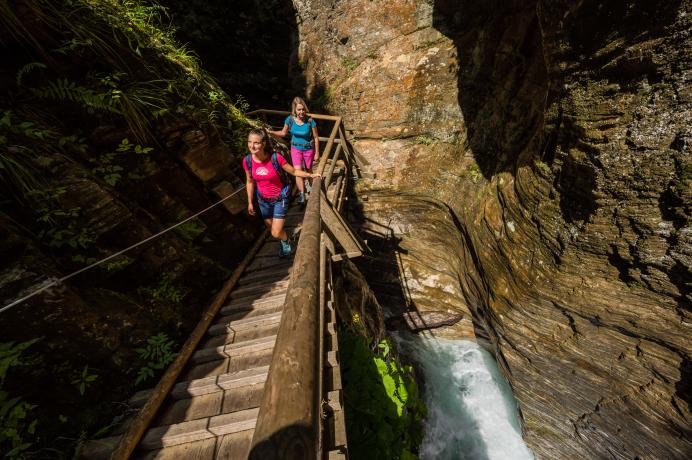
{"x": 105, "y": 124}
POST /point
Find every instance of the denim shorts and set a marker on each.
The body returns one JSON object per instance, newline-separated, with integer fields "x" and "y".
{"x": 273, "y": 209}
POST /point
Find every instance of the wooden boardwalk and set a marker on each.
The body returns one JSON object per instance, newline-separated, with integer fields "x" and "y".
{"x": 244, "y": 372}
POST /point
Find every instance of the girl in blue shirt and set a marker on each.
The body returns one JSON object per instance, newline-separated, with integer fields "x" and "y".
{"x": 305, "y": 142}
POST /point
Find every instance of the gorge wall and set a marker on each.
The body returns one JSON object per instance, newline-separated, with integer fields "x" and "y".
{"x": 532, "y": 169}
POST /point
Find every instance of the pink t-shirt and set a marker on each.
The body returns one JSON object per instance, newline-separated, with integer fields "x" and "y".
{"x": 267, "y": 179}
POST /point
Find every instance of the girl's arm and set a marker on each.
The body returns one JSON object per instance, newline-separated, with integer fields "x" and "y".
{"x": 250, "y": 188}
{"x": 298, "y": 172}
{"x": 281, "y": 133}
{"x": 316, "y": 137}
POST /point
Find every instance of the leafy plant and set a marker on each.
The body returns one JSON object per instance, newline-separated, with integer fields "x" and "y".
{"x": 83, "y": 380}
{"x": 190, "y": 230}
{"x": 16, "y": 426}
{"x": 165, "y": 290}
{"x": 384, "y": 411}
{"x": 158, "y": 353}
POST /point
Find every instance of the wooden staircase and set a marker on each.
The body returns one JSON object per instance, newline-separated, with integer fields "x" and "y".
{"x": 207, "y": 404}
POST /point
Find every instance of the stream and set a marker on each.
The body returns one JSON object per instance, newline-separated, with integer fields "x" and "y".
{"x": 472, "y": 413}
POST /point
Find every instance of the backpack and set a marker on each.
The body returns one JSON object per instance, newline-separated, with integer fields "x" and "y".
{"x": 275, "y": 162}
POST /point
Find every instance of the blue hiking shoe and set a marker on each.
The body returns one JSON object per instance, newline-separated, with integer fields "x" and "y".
{"x": 301, "y": 198}
{"x": 285, "y": 248}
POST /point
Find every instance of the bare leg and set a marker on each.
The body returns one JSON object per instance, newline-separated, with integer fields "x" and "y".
{"x": 277, "y": 227}
{"x": 299, "y": 180}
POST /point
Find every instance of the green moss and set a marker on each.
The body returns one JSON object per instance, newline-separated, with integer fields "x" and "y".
{"x": 425, "y": 140}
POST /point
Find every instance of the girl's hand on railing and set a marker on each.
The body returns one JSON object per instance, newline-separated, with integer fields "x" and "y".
{"x": 314, "y": 175}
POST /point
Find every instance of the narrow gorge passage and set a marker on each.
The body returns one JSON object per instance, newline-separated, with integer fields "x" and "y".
{"x": 526, "y": 183}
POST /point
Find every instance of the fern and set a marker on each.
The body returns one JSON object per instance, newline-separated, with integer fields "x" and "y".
{"x": 65, "y": 90}
{"x": 24, "y": 70}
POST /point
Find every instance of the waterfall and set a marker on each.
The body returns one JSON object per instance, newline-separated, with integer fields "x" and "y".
{"x": 472, "y": 413}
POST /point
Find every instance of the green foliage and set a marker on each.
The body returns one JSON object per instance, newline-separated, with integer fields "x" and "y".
{"x": 107, "y": 167}
{"x": 65, "y": 90}
{"x": 17, "y": 427}
{"x": 17, "y": 173}
{"x": 425, "y": 140}
{"x": 117, "y": 264}
{"x": 349, "y": 65}
{"x": 83, "y": 380}
{"x": 190, "y": 229}
{"x": 165, "y": 290}
{"x": 384, "y": 411}
{"x": 158, "y": 353}
{"x": 474, "y": 173}
{"x": 26, "y": 69}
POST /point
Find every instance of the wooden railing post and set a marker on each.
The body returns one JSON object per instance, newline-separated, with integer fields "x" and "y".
{"x": 287, "y": 424}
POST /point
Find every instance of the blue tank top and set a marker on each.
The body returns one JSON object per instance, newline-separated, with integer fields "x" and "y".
{"x": 301, "y": 135}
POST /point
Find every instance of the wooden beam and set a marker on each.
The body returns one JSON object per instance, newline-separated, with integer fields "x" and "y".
{"x": 339, "y": 228}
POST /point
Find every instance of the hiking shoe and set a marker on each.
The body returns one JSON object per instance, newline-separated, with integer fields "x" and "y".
{"x": 285, "y": 248}
{"x": 308, "y": 187}
{"x": 301, "y": 198}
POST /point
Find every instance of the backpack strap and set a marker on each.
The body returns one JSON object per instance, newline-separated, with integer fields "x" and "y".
{"x": 279, "y": 170}
{"x": 248, "y": 163}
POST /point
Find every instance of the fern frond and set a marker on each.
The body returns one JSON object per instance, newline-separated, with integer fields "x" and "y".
{"x": 24, "y": 70}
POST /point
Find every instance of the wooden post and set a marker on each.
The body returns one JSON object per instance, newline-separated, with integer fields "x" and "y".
{"x": 287, "y": 424}
{"x": 328, "y": 147}
{"x": 330, "y": 170}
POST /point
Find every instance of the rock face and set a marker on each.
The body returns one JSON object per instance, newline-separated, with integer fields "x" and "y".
{"x": 536, "y": 156}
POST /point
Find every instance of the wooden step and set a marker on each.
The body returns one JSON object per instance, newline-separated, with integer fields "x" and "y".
{"x": 238, "y": 399}
{"x": 251, "y": 296}
{"x": 233, "y": 349}
{"x": 219, "y": 383}
{"x": 260, "y": 310}
{"x": 198, "y": 450}
{"x": 245, "y": 304}
{"x": 268, "y": 274}
{"x": 212, "y": 384}
{"x": 226, "y": 365}
{"x": 240, "y": 336}
{"x": 260, "y": 287}
{"x": 234, "y": 446}
{"x": 200, "y": 429}
{"x": 268, "y": 264}
{"x": 224, "y": 326}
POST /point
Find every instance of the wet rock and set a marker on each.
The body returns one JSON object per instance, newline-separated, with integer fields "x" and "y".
{"x": 416, "y": 322}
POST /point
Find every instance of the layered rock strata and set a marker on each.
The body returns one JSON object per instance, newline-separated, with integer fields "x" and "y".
{"x": 555, "y": 136}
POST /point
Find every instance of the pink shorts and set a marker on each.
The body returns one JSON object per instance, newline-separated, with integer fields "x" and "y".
{"x": 302, "y": 157}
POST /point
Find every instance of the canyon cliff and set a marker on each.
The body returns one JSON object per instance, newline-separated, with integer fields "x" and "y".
{"x": 531, "y": 165}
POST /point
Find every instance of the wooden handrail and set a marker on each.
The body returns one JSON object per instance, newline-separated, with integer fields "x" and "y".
{"x": 288, "y": 421}
{"x": 316, "y": 116}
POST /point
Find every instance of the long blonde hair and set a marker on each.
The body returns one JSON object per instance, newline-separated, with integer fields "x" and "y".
{"x": 298, "y": 100}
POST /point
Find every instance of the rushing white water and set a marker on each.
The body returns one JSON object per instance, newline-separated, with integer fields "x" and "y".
{"x": 471, "y": 410}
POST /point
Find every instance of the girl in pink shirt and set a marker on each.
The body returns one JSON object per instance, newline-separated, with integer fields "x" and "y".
{"x": 272, "y": 193}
